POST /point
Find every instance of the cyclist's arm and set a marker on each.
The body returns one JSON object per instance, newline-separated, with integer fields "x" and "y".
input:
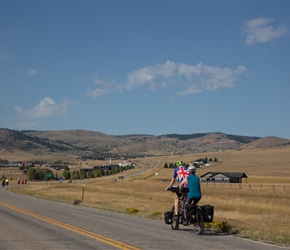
{"x": 171, "y": 182}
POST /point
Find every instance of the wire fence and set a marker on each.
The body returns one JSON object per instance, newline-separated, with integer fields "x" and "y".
{"x": 249, "y": 186}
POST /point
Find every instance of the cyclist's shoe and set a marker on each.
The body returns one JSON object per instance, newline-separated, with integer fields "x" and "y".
{"x": 185, "y": 223}
{"x": 175, "y": 218}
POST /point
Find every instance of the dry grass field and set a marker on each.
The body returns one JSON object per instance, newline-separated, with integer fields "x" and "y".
{"x": 259, "y": 208}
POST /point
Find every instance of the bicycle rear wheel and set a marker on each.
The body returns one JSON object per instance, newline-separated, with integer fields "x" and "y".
{"x": 175, "y": 223}
{"x": 198, "y": 226}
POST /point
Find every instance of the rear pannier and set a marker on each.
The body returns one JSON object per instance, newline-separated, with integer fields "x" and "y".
{"x": 190, "y": 213}
{"x": 168, "y": 216}
{"x": 207, "y": 211}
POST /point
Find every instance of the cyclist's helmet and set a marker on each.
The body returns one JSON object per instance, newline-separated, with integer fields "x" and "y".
{"x": 180, "y": 163}
{"x": 191, "y": 169}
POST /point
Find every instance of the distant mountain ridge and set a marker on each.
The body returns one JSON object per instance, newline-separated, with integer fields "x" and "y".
{"x": 88, "y": 144}
{"x": 238, "y": 138}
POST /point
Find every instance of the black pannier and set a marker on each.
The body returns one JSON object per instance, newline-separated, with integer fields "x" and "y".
{"x": 207, "y": 211}
{"x": 168, "y": 216}
{"x": 190, "y": 213}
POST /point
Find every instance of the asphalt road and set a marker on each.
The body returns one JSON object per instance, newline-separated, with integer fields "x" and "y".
{"x": 32, "y": 223}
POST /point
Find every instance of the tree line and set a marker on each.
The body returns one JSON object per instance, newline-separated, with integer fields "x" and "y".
{"x": 203, "y": 160}
{"x": 44, "y": 174}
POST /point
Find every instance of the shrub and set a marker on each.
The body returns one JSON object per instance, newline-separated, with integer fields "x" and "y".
{"x": 66, "y": 174}
{"x": 220, "y": 226}
{"x": 132, "y": 210}
{"x": 76, "y": 202}
{"x": 156, "y": 215}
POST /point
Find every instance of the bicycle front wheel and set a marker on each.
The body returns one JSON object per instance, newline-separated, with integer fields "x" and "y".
{"x": 175, "y": 223}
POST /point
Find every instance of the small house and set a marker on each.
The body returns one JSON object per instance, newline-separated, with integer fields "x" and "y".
{"x": 59, "y": 167}
{"x": 229, "y": 177}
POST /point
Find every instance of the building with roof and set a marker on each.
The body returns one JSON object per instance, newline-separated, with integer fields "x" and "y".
{"x": 229, "y": 177}
{"x": 59, "y": 167}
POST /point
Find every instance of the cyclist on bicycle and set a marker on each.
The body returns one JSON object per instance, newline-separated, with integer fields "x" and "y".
{"x": 181, "y": 173}
{"x": 193, "y": 183}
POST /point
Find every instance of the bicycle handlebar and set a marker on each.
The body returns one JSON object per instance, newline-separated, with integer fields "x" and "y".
{"x": 175, "y": 189}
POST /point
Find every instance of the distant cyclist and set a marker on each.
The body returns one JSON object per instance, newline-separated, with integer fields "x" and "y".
{"x": 181, "y": 173}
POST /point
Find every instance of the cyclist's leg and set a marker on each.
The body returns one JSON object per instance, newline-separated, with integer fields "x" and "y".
{"x": 176, "y": 207}
{"x": 188, "y": 201}
{"x": 196, "y": 200}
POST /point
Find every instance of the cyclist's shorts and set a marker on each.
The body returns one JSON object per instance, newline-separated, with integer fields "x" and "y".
{"x": 194, "y": 200}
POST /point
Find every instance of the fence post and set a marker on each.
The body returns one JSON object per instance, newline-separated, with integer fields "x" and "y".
{"x": 273, "y": 187}
{"x": 83, "y": 193}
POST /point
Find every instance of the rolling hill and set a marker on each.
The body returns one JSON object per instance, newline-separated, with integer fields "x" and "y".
{"x": 87, "y": 144}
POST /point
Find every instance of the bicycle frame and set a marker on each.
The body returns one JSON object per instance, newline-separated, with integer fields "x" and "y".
{"x": 198, "y": 223}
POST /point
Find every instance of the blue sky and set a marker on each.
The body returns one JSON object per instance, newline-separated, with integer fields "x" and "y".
{"x": 146, "y": 67}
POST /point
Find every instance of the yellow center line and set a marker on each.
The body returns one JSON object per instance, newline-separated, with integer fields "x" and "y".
{"x": 106, "y": 240}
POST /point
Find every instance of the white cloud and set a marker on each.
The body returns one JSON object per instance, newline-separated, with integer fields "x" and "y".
{"x": 193, "y": 78}
{"x": 98, "y": 92}
{"x": 32, "y": 72}
{"x": 208, "y": 78}
{"x": 29, "y": 72}
{"x": 260, "y": 30}
{"x": 103, "y": 87}
{"x": 149, "y": 75}
{"x": 189, "y": 79}
{"x": 45, "y": 108}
